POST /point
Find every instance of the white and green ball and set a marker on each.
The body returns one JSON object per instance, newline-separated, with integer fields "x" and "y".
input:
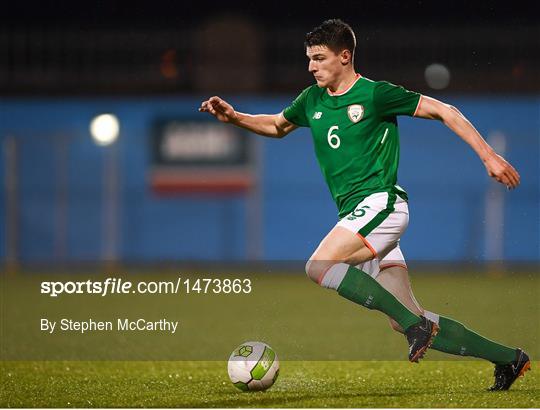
{"x": 253, "y": 366}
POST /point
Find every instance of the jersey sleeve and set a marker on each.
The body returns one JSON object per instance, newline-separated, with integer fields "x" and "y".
{"x": 391, "y": 100}
{"x": 296, "y": 112}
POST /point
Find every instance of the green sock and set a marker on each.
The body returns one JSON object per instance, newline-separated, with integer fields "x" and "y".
{"x": 454, "y": 338}
{"x": 359, "y": 287}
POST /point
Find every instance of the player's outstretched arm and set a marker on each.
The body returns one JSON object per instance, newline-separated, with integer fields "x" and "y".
{"x": 497, "y": 167}
{"x": 275, "y": 126}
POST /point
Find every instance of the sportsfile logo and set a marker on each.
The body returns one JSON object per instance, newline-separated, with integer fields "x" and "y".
{"x": 317, "y": 115}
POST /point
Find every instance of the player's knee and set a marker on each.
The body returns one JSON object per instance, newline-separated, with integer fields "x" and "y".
{"x": 307, "y": 269}
{"x": 313, "y": 270}
{"x": 317, "y": 269}
{"x": 328, "y": 274}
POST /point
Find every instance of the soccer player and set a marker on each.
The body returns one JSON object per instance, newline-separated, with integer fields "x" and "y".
{"x": 355, "y": 134}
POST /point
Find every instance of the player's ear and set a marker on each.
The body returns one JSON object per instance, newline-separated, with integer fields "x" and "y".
{"x": 345, "y": 57}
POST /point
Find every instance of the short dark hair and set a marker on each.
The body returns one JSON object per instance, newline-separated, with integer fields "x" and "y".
{"x": 334, "y": 34}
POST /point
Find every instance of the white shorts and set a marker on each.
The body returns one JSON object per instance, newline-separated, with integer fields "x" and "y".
{"x": 379, "y": 221}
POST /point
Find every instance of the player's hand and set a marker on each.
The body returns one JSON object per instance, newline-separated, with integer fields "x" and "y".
{"x": 500, "y": 170}
{"x": 220, "y": 109}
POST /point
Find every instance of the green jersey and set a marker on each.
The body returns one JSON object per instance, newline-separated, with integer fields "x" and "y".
{"x": 355, "y": 135}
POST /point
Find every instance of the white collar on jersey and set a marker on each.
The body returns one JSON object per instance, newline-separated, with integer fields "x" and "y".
{"x": 357, "y": 75}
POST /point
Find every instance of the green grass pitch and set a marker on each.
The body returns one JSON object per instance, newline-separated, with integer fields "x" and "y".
{"x": 300, "y": 384}
{"x": 504, "y": 308}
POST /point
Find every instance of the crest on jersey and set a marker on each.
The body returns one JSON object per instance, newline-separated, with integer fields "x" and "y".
{"x": 355, "y": 112}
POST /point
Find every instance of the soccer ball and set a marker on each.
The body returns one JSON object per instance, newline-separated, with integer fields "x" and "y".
{"x": 253, "y": 366}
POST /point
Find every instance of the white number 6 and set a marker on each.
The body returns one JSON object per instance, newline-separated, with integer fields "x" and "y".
{"x": 333, "y": 139}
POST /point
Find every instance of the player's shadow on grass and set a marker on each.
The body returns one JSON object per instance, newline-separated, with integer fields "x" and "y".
{"x": 271, "y": 399}
{"x": 258, "y": 399}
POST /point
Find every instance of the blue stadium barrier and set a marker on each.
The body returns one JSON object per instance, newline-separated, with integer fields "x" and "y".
{"x": 446, "y": 183}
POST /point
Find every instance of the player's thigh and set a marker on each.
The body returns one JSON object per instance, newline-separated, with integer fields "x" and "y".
{"x": 340, "y": 245}
{"x": 369, "y": 231}
{"x": 378, "y": 221}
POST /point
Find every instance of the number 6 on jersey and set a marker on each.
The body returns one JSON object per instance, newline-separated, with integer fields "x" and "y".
{"x": 333, "y": 139}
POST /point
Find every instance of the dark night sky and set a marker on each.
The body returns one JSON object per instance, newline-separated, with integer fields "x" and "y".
{"x": 169, "y": 13}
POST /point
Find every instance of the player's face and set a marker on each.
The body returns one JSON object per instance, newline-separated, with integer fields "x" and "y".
{"x": 325, "y": 65}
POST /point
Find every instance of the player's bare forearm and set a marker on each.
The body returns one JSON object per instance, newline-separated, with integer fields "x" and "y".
{"x": 496, "y": 166}
{"x": 451, "y": 117}
{"x": 263, "y": 124}
{"x": 275, "y": 126}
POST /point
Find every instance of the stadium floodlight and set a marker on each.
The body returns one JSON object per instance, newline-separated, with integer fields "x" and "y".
{"x": 104, "y": 129}
{"x": 437, "y": 76}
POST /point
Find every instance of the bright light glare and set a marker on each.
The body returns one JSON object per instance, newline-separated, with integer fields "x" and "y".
{"x": 104, "y": 129}
{"x": 437, "y": 76}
